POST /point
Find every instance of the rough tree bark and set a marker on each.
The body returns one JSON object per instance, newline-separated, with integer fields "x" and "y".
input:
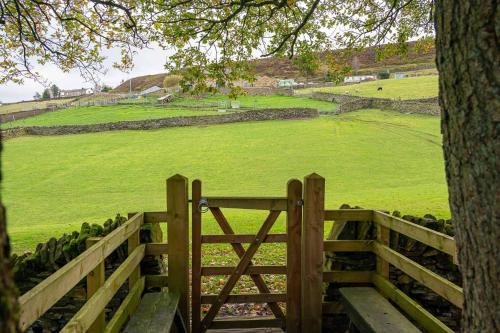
{"x": 468, "y": 59}
{"x": 8, "y": 294}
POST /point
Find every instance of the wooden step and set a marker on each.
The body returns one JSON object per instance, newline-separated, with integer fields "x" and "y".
{"x": 372, "y": 313}
{"x": 155, "y": 313}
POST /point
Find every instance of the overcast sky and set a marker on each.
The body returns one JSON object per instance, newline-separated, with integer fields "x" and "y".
{"x": 148, "y": 61}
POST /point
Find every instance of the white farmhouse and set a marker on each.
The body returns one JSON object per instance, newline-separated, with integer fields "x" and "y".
{"x": 358, "y": 78}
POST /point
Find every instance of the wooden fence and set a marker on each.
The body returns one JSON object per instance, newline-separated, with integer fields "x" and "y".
{"x": 90, "y": 265}
{"x": 306, "y": 217}
{"x": 387, "y": 256}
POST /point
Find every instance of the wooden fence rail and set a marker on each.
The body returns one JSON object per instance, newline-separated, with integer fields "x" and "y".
{"x": 38, "y": 300}
{"x": 90, "y": 264}
{"x": 387, "y": 256}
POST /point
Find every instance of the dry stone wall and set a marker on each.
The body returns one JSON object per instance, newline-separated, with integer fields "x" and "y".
{"x": 254, "y": 115}
{"x": 348, "y": 103}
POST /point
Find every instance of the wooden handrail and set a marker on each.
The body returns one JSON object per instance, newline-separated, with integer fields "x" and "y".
{"x": 438, "y": 284}
{"x": 43, "y": 296}
{"x": 437, "y": 240}
{"x": 414, "y": 310}
{"x": 82, "y": 320}
{"x": 349, "y": 215}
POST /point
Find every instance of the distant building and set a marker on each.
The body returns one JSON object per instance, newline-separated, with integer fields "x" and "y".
{"x": 400, "y": 75}
{"x": 358, "y": 78}
{"x": 76, "y": 92}
{"x": 286, "y": 83}
{"x": 150, "y": 90}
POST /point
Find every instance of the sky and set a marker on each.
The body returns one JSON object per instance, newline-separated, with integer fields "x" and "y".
{"x": 146, "y": 61}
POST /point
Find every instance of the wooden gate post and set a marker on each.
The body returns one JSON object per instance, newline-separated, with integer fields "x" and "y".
{"x": 178, "y": 241}
{"x": 196, "y": 254}
{"x": 293, "y": 255}
{"x": 95, "y": 280}
{"x": 312, "y": 252}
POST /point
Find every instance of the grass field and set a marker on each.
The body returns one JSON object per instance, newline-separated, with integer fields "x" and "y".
{"x": 15, "y": 107}
{"x": 371, "y": 158}
{"x": 104, "y": 114}
{"x": 180, "y": 107}
{"x": 406, "y": 88}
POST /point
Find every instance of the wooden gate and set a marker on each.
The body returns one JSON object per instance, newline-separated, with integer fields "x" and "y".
{"x": 292, "y": 206}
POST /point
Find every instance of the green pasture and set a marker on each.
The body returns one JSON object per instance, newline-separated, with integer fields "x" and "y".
{"x": 181, "y": 107}
{"x": 24, "y": 106}
{"x": 245, "y": 101}
{"x": 370, "y": 158}
{"x": 104, "y": 114}
{"x": 405, "y": 88}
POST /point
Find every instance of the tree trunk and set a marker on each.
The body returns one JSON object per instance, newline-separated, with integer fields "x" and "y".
{"x": 468, "y": 59}
{"x": 8, "y": 291}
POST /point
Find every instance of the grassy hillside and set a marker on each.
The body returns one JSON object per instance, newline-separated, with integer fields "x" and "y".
{"x": 370, "y": 158}
{"x": 367, "y": 60}
{"x": 23, "y": 106}
{"x": 182, "y": 107}
{"x": 140, "y": 83}
{"x": 406, "y": 88}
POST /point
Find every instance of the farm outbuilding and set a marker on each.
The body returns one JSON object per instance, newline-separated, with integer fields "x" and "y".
{"x": 165, "y": 99}
{"x": 150, "y": 90}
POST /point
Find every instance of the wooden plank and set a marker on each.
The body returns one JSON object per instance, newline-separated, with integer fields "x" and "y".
{"x": 438, "y": 284}
{"x": 154, "y": 217}
{"x": 127, "y": 307}
{"x": 38, "y": 300}
{"x": 95, "y": 280}
{"x": 155, "y": 313}
{"x": 82, "y": 320}
{"x": 245, "y": 298}
{"x": 215, "y": 239}
{"x": 371, "y": 312}
{"x": 347, "y": 245}
{"x": 240, "y": 251}
{"x": 156, "y": 281}
{"x": 156, "y": 249}
{"x": 383, "y": 237}
{"x": 178, "y": 241}
{"x": 348, "y": 276}
{"x": 242, "y": 265}
{"x": 293, "y": 255}
{"x": 414, "y": 310}
{"x": 248, "y": 203}
{"x": 196, "y": 270}
{"x": 349, "y": 215}
{"x": 246, "y": 324}
{"x": 132, "y": 243}
{"x": 251, "y": 270}
{"x": 312, "y": 252}
{"x": 427, "y": 236}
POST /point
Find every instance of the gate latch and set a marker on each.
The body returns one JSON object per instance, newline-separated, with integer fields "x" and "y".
{"x": 203, "y": 205}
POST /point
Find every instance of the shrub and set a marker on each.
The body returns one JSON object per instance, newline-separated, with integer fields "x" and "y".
{"x": 171, "y": 81}
{"x": 383, "y": 75}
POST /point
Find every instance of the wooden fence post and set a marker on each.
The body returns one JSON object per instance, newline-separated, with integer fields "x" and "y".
{"x": 95, "y": 280}
{"x": 178, "y": 241}
{"x": 132, "y": 243}
{"x": 196, "y": 256}
{"x": 293, "y": 255}
{"x": 383, "y": 236}
{"x": 312, "y": 252}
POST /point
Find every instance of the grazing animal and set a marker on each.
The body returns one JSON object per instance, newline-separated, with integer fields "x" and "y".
{"x": 379, "y": 89}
